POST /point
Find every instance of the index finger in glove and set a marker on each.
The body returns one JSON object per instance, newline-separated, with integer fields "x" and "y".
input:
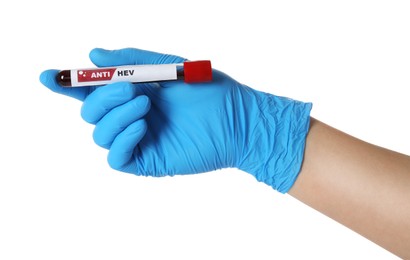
{"x": 130, "y": 56}
{"x": 104, "y": 99}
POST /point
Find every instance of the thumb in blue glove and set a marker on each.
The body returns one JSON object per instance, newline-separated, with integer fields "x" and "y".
{"x": 168, "y": 128}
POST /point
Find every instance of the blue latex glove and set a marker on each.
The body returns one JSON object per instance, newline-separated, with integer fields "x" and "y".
{"x": 169, "y": 128}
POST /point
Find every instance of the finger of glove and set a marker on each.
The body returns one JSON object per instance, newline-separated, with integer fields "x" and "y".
{"x": 49, "y": 79}
{"x": 118, "y": 119}
{"x": 130, "y": 56}
{"x": 103, "y": 99}
{"x": 120, "y": 156}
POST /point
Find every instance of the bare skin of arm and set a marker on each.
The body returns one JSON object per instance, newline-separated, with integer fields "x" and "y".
{"x": 360, "y": 185}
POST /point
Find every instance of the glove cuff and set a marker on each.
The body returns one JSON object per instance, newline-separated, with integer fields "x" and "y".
{"x": 276, "y": 143}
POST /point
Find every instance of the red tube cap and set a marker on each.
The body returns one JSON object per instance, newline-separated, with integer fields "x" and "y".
{"x": 197, "y": 71}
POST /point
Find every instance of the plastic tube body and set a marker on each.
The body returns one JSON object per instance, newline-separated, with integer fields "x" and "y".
{"x": 191, "y": 71}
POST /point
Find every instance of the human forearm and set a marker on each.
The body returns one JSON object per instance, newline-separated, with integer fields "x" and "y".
{"x": 362, "y": 186}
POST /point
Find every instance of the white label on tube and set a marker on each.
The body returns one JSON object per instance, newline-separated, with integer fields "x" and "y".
{"x": 131, "y": 73}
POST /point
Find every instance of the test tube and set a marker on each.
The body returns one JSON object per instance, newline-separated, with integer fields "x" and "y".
{"x": 189, "y": 71}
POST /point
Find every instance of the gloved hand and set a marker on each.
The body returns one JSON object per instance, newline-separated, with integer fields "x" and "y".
{"x": 168, "y": 128}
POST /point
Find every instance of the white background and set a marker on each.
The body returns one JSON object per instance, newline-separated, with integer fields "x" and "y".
{"x": 60, "y": 200}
